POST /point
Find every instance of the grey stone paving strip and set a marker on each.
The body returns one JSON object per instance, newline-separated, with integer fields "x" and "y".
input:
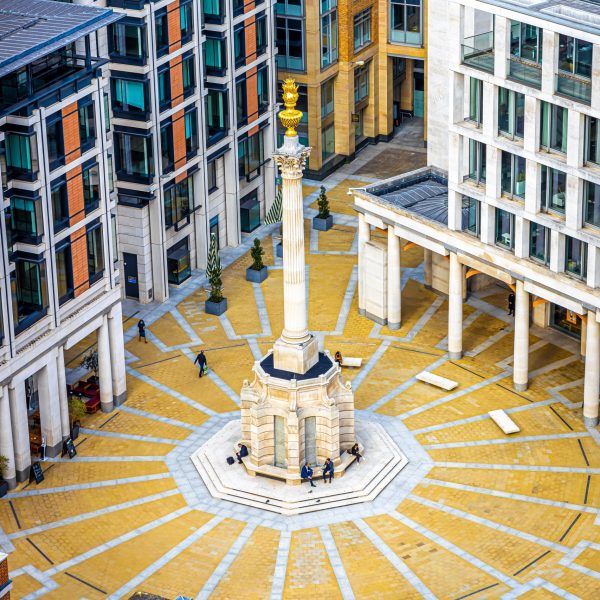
{"x": 364, "y": 372}
{"x": 488, "y": 466}
{"x": 489, "y": 523}
{"x": 184, "y": 324}
{"x": 447, "y": 545}
{"x": 346, "y": 302}
{"x": 569, "y": 559}
{"x": 150, "y": 415}
{"x": 314, "y": 241}
{"x": 167, "y": 390}
{"x": 424, "y": 319}
{"x": 553, "y": 366}
{"x": 48, "y": 584}
{"x": 537, "y": 584}
{"x": 139, "y": 579}
{"x": 255, "y": 349}
{"x": 505, "y": 362}
{"x": 468, "y": 320}
{"x": 405, "y": 385}
{"x": 263, "y": 315}
{"x": 281, "y": 562}
{"x": 95, "y": 513}
{"x": 127, "y": 436}
{"x": 511, "y": 440}
{"x": 509, "y": 496}
{"x": 336, "y": 563}
{"x": 88, "y": 486}
{"x": 216, "y": 379}
{"x": 399, "y": 564}
{"x": 489, "y": 342}
{"x": 490, "y": 309}
{"x": 224, "y": 565}
{"x": 6, "y": 545}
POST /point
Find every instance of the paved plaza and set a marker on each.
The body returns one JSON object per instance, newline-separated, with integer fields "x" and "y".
{"x": 475, "y": 514}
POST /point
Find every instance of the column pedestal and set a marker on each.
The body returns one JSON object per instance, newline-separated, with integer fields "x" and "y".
{"x": 455, "y": 308}
{"x": 592, "y": 372}
{"x": 521, "y": 348}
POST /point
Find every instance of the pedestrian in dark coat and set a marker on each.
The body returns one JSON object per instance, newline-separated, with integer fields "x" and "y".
{"x": 511, "y": 304}
{"x": 307, "y": 473}
{"x": 142, "y": 331}
{"x": 201, "y": 360}
{"x": 243, "y": 452}
{"x": 328, "y": 470}
{"x": 355, "y": 450}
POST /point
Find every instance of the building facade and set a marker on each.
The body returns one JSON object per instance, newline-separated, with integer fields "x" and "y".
{"x": 513, "y": 149}
{"x": 361, "y": 69}
{"x": 59, "y": 280}
{"x": 192, "y": 107}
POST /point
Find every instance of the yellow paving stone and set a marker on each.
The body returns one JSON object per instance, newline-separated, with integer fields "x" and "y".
{"x": 351, "y": 348}
{"x": 123, "y": 422}
{"x": 250, "y": 576}
{"x": 589, "y": 558}
{"x": 547, "y": 354}
{"x": 371, "y": 575}
{"x": 169, "y": 331}
{"x": 187, "y": 573}
{"x": 339, "y": 201}
{"x": 412, "y": 257}
{"x": 148, "y": 353}
{"x": 309, "y": 573}
{"x": 23, "y": 585}
{"x": 581, "y": 585}
{"x": 70, "y": 587}
{"x": 307, "y": 190}
{"x": 232, "y": 363}
{"x": 436, "y": 329}
{"x": 338, "y": 238}
{"x": 356, "y": 325}
{"x": 444, "y": 573}
{"x": 538, "y": 594}
{"x": 273, "y": 296}
{"x": 92, "y": 445}
{"x": 34, "y": 511}
{"x": 574, "y": 394}
{"x": 480, "y": 330}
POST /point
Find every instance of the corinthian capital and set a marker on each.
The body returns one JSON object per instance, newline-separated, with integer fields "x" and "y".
{"x": 292, "y": 165}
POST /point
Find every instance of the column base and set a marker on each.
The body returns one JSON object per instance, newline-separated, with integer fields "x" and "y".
{"x": 295, "y": 358}
{"x": 393, "y": 326}
{"x": 52, "y": 451}
{"x": 23, "y": 474}
{"x": 375, "y": 318}
{"x": 520, "y": 387}
{"x": 120, "y": 399}
{"x": 106, "y": 407}
{"x": 591, "y": 421}
{"x": 455, "y": 355}
{"x": 12, "y": 482}
{"x": 362, "y": 312}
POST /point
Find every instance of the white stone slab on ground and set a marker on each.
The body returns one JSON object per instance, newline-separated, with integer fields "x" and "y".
{"x": 503, "y": 421}
{"x": 437, "y": 380}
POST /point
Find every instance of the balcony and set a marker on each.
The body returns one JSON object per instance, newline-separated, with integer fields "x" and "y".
{"x": 525, "y": 71}
{"x": 478, "y": 52}
{"x": 574, "y": 86}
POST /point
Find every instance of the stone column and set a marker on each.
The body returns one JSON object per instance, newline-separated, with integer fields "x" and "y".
{"x": 104, "y": 374}
{"x": 62, "y": 394}
{"x": 50, "y": 414}
{"x": 6, "y": 439}
{"x": 521, "y": 348}
{"x": 364, "y": 235}
{"x": 117, "y": 354}
{"x": 592, "y": 371}
{"x": 455, "y": 307}
{"x": 394, "y": 281}
{"x": 20, "y": 429}
{"x": 428, "y": 266}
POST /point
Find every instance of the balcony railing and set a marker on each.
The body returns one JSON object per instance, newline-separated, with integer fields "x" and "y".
{"x": 525, "y": 71}
{"x": 478, "y": 51}
{"x": 574, "y": 86}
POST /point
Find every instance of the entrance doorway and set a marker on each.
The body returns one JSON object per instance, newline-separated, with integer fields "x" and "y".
{"x": 132, "y": 286}
{"x": 565, "y": 320}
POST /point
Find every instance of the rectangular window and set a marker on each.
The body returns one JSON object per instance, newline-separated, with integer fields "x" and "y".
{"x": 505, "y": 226}
{"x": 329, "y": 34}
{"x": 115, "y": 237}
{"x": 55, "y": 143}
{"x": 191, "y": 132}
{"x": 262, "y": 85}
{"x": 213, "y": 11}
{"x": 95, "y": 253}
{"x": 133, "y": 156}
{"x": 477, "y": 161}
{"x": 251, "y": 155}
{"x": 295, "y": 8}
{"x": 130, "y": 98}
{"x": 64, "y": 274}
{"x": 127, "y": 42}
{"x": 575, "y": 56}
{"x": 327, "y": 97}
{"x": 186, "y": 18}
{"x": 361, "y": 83}
{"x": 553, "y": 189}
{"x": 161, "y": 32}
{"x": 167, "y": 152}
{"x": 238, "y": 7}
{"x": 211, "y": 176}
{"x": 25, "y": 220}
{"x": 215, "y": 53}
{"x": 19, "y": 161}
{"x": 592, "y": 140}
{"x": 511, "y": 113}
{"x": 539, "y": 243}
{"x": 525, "y": 59}
{"x": 217, "y": 120}
{"x": 554, "y": 127}
{"x": 470, "y": 215}
{"x": 241, "y": 102}
{"x": 164, "y": 88}
{"x": 591, "y": 211}
{"x": 475, "y": 100}
{"x": 512, "y": 176}
{"x": 261, "y": 34}
{"x": 362, "y": 29}
{"x": 328, "y": 142}
{"x": 249, "y": 212}
{"x": 239, "y": 45}
{"x": 575, "y": 257}
{"x": 405, "y": 22}
{"x": 179, "y": 202}
{"x": 189, "y": 75}
{"x": 178, "y": 262}
{"x": 87, "y": 125}
{"x": 91, "y": 188}
{"x": 29, "y": 293}
{"x": 60, "y": 205}
{"x": 290, "y": 43}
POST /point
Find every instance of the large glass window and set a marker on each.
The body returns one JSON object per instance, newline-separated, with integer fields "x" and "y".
{"x": 191, "y": 131}
{"x": 213, "y": 11}
{"x": 127, "y": 41}
{"x": 239, "y": 45}
{"x": 87, "y": 125}
{"x": 161, "y": 31}
{"x": 475, "y": 100}
{"x": 554, "y": 127}
{"x": 261, "y": 34}
{"x": 477, "y": 161}
{"x": 249, "y": 212}
{"x": 513, "y": 175}
{"x": 262, "y": 86}
{"x": 328, "y": 142}
{"x": 327, "y": 97}
{"x": 211, "y": 176}
{"x": 539, "y": 242}
{"x": 215, "y": 53}
{"x": 251, "y": 155}
{"x": 511, "y": 113}
{"x": 361, "y": 83}
{"x": 129, "y": 96}
{"x": 134, "y": 156}
{"x": 505, "y": 226}
{"x": 95, "y": 253}
{"x": 178, "y": 262}
{"x": 592, "y": 140}
{"x": 60, "y": 205}
{"x": 575, "y": 257}
{"x": 29, "y": 293}
{"x": 55, "y": 142}
{"x": 575, "y": 56}
{"x": 164, "y": 88}
{"x": 25, "y": 220}
{"x": 290, "y": 43}
{"x": 167, "y": 152}
{"x": 405, "y": 21}
{"x": 19, "y": 160}
{"x": 64, "y": 274}
{"x": 217, "y": 121}
{"x": 525, "y": 61}
{"x": 292, "y": 7}
{"x": 241, "y": 101}
{"x": 329, "y": 32}
{"x": 362, "y": 29}
{"x": 470, "y": 215}
{"x": 188, "y": 73}
{"x": 179, "y": 201}
{"x": 91, "y": 188}
{"x": 553, "y": 189}
{"x": 591, "y": 210}
{"x": 186, "y": 21}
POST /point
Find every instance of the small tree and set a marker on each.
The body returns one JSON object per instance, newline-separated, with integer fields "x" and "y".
{"x": 257, "y": 253}
{"x": 90, "y": 362}
{"x": 323, "y": 204}
{"x": 213, "y": 271}
{"x": 3, "y": 465}
{"x": 76, "y": 409}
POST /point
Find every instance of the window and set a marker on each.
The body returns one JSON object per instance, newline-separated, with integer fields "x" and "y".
{"x": 592, "y": 140}
{"x": 29, "y": 293}
{"x": 470, "y": 215}
{"x": 106, "y": 112}
{"x": 238, "y": 7}
{"x": 19, "y": 161}
{"x": 161, "y": 32}
{"x": 186, "y": 19}
{"x": 575, "y": 257}
{"x": 25, "y": 220}
{"x": 525, "y": 60}
{"x": 55, "y": 143}
{"x": 64, "y": 274}
{"x": 251, "y": 155}
{"x": 134, "y": 156}
{"x": 328, "y": 142}
{"x": 213, "y": 10}
{"x": 261, "y": 34}
{"x": 591, "y": 198}
{"x": 241, "y": 102}
{"x": 87, "y": 125}
{"x": 239, "y": 45}
{"x": 95, "y": 253}
{"x": 505, "y": 225}
{"x": 554, "y": 127}
{"x": 189, "y": 75}
{"x": 217, "y": 120}
{"x": 91, "y": 188}
{"x": 291, "y": 7}
{"x": 511, "y": 113}
{"x": 178, "y": 262}
{"x": 475, "y": 100}
{"x": 290, "y": 42}
{"x": 477, "y": 161}
{"x": 512, "y": 177}
{"x": 167, "y": 152}
{"x": 405, "y": 22}
{"x": 111, "y": 176}
{"x": 179, "y": 201}
{"x": 127, "y": 41}
{"x": 553, "y": 188}
{"x": 362, "y": 29}
{"x": 215, "y": 62}
{"x": 130, "y": 98}
{"x": 115, "y": 237}
{"x": 211, "y": 176}
{"x": 249, "y": 212}
{"x": 262, "y": 85}
{"x": 361, "y": 83}
{"x": 575, "y": 56}
{"x": 164, "y": 88}
{"x": 329, "y": 32}
{"x": 539, "y": 243}
{"x": 327, "y": 96}
{"x": 191, "y": 132}
{"x": 60, "y": 205}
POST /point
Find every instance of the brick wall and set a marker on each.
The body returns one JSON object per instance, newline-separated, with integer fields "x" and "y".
{"x": 174, "y": 21}
{"x": 252, "y": 94}
{"x": 250, "y": 39}
{"x": 75, "y": 195}
{"x": 346, "y": 12}
{"x": 80, "y": 262}
{"x": 176, "y": 75}
{"x": 70, "y": 122}
{"x": 3, "y": 576}
{"x": 179, "y": 151}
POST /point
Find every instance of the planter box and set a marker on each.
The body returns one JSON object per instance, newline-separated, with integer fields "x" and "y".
{"x": 323, "y": 224}
{"x": 279, "y": 250}
{"x": 257, "y": 276}
{"x": 215, "y": 308}
{"x": 75, "y": 431}
{"x": 3, "y": 488}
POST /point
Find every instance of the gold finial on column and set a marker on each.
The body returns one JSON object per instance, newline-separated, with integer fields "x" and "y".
{"x": 290, "y": 117}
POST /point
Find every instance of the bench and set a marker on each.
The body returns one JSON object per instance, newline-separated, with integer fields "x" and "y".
{"x": 441, "y": 382}
{"x": 351, "y": 362}
{"x": 504, "y": 421}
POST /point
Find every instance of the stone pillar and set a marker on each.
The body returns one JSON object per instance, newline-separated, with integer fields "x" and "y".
{"x": 521, "y": 348}
{"x": 62, "y": 394}
{"x": 20, "y": 429}
{"x": 428, "y": 266}
{"x": 104, "y": 374}
{"x": 6, "y": 439}
{"x": 364, "y": 235}
{"x": 394, "y": 291}
{"x": 592, "y": 371}
{"x": 50, "y": 414}
{"x": 455, "y": 307}
{"x": 117, "y": 354}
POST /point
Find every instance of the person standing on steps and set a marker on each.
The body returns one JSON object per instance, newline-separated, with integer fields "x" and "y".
{"x": 328, "y": 470}
{"x": 201, "y": 360}
{"x": 142, "y": 331}
{"x": 511, "y": 304}
{"x": 307, "y": 473}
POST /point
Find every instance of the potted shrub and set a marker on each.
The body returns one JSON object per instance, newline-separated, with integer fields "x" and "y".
{"x": 90, "y": 362}
{"x": 258, "y": 271}
{"x": 76, "y": 413}
{"x": 216, "y": 303}
{"x": 324, "y": 220}
{"x": 3, "y": 484}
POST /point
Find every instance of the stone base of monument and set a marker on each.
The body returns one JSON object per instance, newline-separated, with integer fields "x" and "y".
{"x": 361, "y": 482}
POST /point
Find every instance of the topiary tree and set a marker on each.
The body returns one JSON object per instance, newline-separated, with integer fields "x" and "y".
{"x": 323, "y": 204}
{"x": 90, "y": 362}
{"x": 214, "y": 271}
{"x": 256, "y": 253}
{"x": 3, "y": 465}
{"x": 76, "y": 409}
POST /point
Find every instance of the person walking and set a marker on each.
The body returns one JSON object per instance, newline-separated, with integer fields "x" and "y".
{"x": 201, "y": 360}
{"x": 511, "y": 304}
{"x": 142, "y": 331}
{"x": 307, "y": 473}
{"x": 328, "y": 470}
